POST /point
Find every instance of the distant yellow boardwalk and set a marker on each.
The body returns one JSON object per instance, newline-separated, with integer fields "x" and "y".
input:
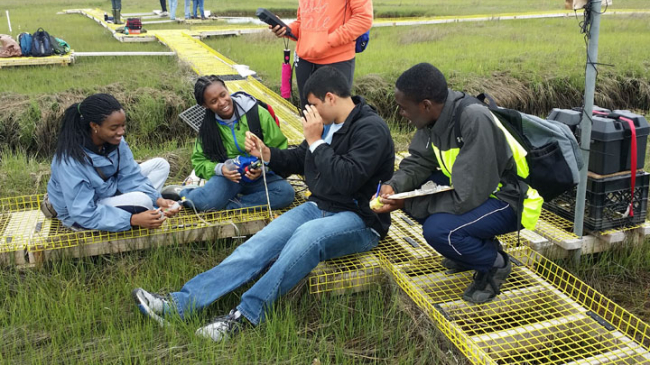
{"x": 37, "y": 61}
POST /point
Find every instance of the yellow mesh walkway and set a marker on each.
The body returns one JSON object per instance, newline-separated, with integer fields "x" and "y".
{"x": 383, "y": 22}
{"x": 23, "y": 226}
{"x": 544, "y": 315}
{"x": 203, "y": 59}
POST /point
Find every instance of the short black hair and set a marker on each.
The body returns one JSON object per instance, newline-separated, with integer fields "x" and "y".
{"x": 423, "y": 81}
{"x": 327, "y": 80}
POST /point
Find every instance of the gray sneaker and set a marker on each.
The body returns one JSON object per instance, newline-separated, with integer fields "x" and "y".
{"x": 172, "y": 192}
{"x": 151, "y": 305}
{"x": 223, "y": 327}
{"x": 486, "y": 286}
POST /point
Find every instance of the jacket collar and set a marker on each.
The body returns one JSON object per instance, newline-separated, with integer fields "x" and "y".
{"x": 90, "y": 146}
{"x": 360, "y": 110}
{"x": 448, "y": 111}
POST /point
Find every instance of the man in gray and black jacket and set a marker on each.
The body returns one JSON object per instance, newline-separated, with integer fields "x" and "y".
{"x": 485, "y": 200}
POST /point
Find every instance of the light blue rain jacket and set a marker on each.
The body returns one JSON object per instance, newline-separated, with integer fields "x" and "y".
{"x": 75, "y": 188}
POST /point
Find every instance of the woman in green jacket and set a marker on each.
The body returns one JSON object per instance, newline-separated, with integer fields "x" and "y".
{"x": 219, "y": 152}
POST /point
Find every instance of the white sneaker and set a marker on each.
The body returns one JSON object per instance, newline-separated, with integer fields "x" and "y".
{"x": 164, "y": 14}
{"x": 222, "y": 327}
{"x": 151, "y": 305}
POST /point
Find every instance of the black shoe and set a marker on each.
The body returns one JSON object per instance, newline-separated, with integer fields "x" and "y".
{"x": 172, "y": 192}
{"x": 487, "y": 285}
{"x": 223, "y": 327}
{"x": 453, "y": 267}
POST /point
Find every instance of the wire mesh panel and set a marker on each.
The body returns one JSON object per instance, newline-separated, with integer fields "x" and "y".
{"x": 193, "y": 116}
{"x": 543, "y": 315}
{"x": 23, "y": 226}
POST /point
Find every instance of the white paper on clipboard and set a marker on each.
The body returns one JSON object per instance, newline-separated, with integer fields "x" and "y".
{"x": 427, "y": 189}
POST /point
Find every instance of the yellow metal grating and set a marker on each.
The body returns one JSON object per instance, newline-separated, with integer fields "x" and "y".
{"x": 557, "y": 230}
{"x": 544, "y": 315}
{"x": 203, "y": 59}
{"x": 343, "y": 273}
{"x": 23, "y": 226}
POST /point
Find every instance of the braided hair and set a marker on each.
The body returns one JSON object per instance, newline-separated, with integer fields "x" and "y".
{"x": 209, "y": 131}
{"x": 75, "y": 127}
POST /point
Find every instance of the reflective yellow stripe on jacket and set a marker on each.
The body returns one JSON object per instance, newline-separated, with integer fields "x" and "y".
{"x": 532, "y": 203}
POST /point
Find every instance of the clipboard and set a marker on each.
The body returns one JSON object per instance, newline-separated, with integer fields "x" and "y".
{"x": 427, "y": 189}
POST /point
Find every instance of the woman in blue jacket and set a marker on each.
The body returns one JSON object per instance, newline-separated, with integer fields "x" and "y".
{"x": 95, "y": 182}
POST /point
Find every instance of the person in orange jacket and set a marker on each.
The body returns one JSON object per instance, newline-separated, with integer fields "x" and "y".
{"x": 327, "y": 31}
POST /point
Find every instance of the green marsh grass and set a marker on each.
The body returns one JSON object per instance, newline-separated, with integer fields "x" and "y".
{"x": 75, "y": 311}
{"x": 520, "y": 60}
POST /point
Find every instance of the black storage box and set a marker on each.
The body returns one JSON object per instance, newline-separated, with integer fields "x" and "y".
{"x": 610, "y": 138}
{"x": 607, "y": 199}
{"x": 570, "y": 117}
{"x": 610, "y": 143}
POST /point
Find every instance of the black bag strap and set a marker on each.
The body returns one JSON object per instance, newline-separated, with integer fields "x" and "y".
{"x": 466, "y": 100}
{"x": 253, "y": 119}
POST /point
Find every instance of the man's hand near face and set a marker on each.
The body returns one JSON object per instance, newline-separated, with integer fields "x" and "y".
{"x": 312, "y": 124}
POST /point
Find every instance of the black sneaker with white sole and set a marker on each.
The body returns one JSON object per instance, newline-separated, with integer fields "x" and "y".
{"x": 223, "y": 327}
{"x": 151, "y": 305}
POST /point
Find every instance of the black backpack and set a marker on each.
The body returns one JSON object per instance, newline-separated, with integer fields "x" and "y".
{"x": 41, "y": 44}
{"x": 553, "y": 157}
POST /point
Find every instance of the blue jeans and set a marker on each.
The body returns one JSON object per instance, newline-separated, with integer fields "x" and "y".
{"x": 467, "y": 238}
{"x": 220, "y": 193}
{"x": 197, "y": 4}
{"x": 299, "y": 239}
{"x": 187, "y": 8}
{"x": 117, "y": 4}
{"x": 173, "y": 4}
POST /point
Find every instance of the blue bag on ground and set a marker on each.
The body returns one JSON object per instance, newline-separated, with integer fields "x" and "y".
{"x": 25, "y": 41}
{"x": 41, "y": 44}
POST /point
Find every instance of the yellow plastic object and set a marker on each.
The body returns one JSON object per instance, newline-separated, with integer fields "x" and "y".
{"x": 37, "y": 61}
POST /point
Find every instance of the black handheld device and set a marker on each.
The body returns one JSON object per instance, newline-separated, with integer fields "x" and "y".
{"x": 271, "y": 19}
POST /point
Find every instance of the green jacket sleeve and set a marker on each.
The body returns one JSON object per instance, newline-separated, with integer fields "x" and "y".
{"x": 203, "y": 166}
{"x": 273, "y": 136}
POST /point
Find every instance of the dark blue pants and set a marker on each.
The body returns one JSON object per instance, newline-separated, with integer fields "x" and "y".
{"x": 467, "y": 238}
